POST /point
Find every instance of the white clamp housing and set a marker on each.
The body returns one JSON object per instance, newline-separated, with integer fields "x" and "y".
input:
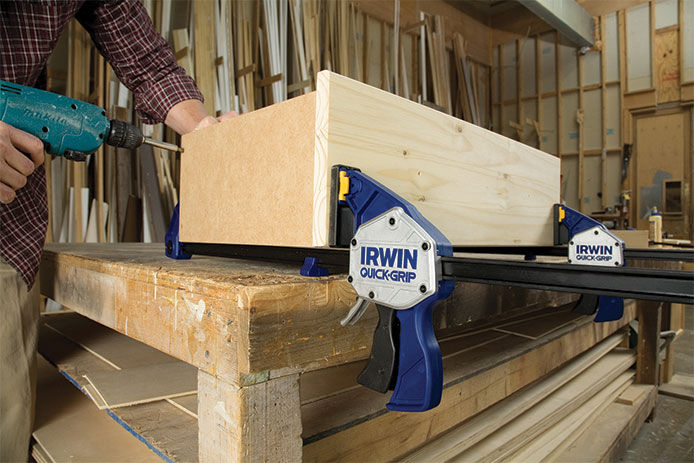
{"x": 393, "y": 261}
{"x": 596, "y": 246}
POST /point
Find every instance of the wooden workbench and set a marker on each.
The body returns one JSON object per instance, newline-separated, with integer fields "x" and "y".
{"x": 252, "y": 329}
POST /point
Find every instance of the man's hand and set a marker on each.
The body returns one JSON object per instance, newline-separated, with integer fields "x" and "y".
{"x": 15, "y": 167}
{"x": 189, "y": 115}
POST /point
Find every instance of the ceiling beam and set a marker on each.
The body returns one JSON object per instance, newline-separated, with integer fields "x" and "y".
{"x": 567, "y": 17}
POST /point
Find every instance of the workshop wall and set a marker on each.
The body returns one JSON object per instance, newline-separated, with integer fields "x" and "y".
{"x": 582, "y": 107}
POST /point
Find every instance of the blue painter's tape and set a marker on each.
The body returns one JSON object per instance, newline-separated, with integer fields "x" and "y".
{"x": 544, "y": 138}
{"x": 610, "y": 131}
{"x": 573, "y": 135}
{"x": 546, "y": 50}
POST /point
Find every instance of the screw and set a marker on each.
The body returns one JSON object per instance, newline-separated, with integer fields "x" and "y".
{"x": 425, "y": 246}
{"x": 616, "y": 244}
{"x": 391, "y": 221}
{"x": 350, "y": 279}
{"x": 569, "y": 260}
{"x": 354, "y": 242}
{"x": 422, "y": 289}
{"x": 371, "y": 295}
{"x": 616, "y": 264}
{"x": 571, "y": 243}
{"x": 595, "y": 232}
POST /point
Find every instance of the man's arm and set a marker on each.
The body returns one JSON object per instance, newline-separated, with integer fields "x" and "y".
{"x": 144, "y": 62}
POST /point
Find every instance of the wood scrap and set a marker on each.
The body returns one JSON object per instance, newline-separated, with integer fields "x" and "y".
{"x": 130, "y": 386}
{"x": 681, "y": 385}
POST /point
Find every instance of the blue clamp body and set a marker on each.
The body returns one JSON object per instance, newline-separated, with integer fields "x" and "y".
{"x": 419, "y": 369}
{"x": 575, "y": 222}
{"x": 312, "y": 269}
{"x": 173, "y": 245}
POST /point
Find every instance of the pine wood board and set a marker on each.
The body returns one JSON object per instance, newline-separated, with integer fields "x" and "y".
{"x": 137, "y": 385}
{"x": 509, "y": 439}
{"x": 482, "y": 425}
{"x": 69, "y": 428}
{"x": 611, "y": 433}
{"x": 476, "y": 186}
{"x": 486, "y": 383}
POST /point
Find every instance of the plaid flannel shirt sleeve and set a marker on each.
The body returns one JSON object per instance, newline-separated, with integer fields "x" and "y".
{"x": 141, "y": 58}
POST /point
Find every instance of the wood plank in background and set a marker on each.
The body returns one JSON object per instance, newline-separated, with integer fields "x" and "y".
{"x": 476, "y": 186}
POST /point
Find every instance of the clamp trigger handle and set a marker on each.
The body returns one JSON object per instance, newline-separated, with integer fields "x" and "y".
{"x": 419, "y": 381}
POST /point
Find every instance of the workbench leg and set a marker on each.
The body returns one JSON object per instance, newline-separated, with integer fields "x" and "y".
{"x": 647, "y": 350}
{"x": 260, "y": 422}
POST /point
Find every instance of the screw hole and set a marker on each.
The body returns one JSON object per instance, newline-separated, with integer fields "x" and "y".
{"x": 425, "y": 246}
{"x": 350, "y": 279}
{"x": 73, "y": 106}
{"x": 44, "y": 129}
{"x": 101, "y": 135}
{"x": 595, "y": 232}
{"x": 422, "y": 289}
{"x": 391, "y": 221}
{"x": 354, "y": 242}
{"x": 371, "y": 295}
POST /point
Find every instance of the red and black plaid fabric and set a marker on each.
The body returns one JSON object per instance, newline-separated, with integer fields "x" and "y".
{"x": 141, "y": 58}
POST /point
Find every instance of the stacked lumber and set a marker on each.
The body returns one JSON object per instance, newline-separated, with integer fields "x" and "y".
{"x": 588, "y": 410}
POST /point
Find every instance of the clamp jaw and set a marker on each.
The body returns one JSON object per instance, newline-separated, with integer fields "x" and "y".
{"x": 395, "y": 261}
{"x": 590, "y": 243}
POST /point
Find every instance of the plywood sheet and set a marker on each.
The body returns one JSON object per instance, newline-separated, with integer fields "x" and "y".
{"x": 592, "y": 122}
{"x": 69, "y": 428}
{"x": 667, "y": 65}
{"x": 138, "y": 385}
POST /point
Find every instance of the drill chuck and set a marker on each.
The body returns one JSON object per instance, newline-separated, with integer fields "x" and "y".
{"x": 124, "y": 135}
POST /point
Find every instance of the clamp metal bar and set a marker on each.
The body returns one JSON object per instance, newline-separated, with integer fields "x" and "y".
{"x": 679, "y": 255}
{"x": 626, "y": 282}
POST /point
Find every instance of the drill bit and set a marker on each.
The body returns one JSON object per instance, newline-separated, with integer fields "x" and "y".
{"x": 162, "y": 145}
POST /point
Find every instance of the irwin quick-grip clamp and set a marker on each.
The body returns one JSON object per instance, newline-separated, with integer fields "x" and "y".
{"x": 394, "y": 262}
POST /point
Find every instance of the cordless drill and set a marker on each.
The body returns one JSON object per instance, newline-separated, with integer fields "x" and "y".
{"x": 67, "y": 127}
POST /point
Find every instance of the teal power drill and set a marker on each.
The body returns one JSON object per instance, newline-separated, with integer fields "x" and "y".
{"x": 67, "y": 127}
